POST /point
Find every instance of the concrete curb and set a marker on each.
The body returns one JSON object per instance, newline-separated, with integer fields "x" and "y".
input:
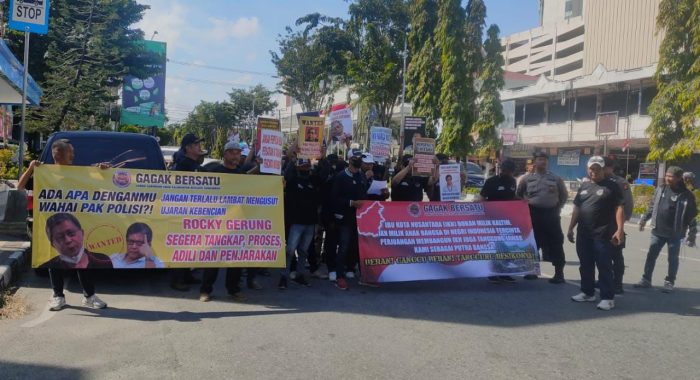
{"x": 13, "y": 256}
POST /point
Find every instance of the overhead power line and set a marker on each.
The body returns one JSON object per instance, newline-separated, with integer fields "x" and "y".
{"x": 218, "y": 83}
{"x": 193, "y": 64}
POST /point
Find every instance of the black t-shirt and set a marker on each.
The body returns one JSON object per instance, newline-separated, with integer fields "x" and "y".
{"x": 409, "y": 189}
{"x": 499, "y": 188}
{"x": 597, "y": 204}
{"x": 220, "y": 168}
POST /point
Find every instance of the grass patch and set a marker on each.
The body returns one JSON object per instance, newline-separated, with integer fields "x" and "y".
{"x": 12, "y": 306}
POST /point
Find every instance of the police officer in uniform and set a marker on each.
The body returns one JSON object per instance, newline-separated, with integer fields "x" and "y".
{"x": 546, "y": 194}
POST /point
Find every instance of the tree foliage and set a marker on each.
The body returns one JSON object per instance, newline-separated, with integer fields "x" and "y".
{"x": 423, "y": 78}
{"x": 89, "y": 48}
{"x": 457, "y": 83}
{"x": 311, "y": 62}
{"x": 490, "y": 110}
{"x": 379, "y": 29}
{"x": 674, "y": 133}
{"x": 214, "y": 121}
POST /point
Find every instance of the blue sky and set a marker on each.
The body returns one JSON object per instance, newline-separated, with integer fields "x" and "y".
{"x": 239, "y": 34}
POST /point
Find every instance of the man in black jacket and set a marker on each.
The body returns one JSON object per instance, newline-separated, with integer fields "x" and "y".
{"x": 327, "y": 169}
{"x": 347, "y": 194}
{"x": 186, "y": 160}
{"x": 302, "y": 201}
{"x": 672, "y": 210}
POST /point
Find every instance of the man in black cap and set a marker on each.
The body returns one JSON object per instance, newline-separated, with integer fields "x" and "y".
{"x": 546, "y": 194}
{"x": 501, "y": 188}
{"x": 186, "y": 160}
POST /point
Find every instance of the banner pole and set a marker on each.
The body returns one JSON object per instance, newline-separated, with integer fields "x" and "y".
{"x": 20, "y": 156}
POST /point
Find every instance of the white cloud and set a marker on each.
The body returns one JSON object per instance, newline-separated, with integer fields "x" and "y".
{"x": 168, "y": 18}
{"x": 242, "y": 27}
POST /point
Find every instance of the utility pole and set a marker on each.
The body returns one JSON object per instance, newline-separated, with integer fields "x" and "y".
{"x": 404, "y": 54}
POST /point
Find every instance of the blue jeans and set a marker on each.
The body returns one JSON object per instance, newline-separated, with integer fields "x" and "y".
{"x": 674, "y": 249}
{"x": 299, "y": 240}
{"x": 594, "y": 252}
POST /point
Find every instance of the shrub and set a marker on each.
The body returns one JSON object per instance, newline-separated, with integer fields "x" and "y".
{"x": 642, "y": 196}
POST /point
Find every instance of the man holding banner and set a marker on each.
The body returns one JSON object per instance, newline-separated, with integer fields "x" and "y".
{"x": 230, "y": 165}
{"x": 62, "y": 153}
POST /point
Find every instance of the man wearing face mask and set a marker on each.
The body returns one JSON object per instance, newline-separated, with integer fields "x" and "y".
{"x": 406, "y": 187}
{"x": 327, "y": 169}
{"x": 348, "y": 193}
{"x": 301, "y": 197}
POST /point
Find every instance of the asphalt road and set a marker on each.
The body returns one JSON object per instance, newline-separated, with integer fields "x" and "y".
{"x": 438, "y": 329}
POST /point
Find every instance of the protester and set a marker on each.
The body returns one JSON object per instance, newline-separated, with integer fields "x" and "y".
{"x": 374, "y": 172}
{"x": 328, "y": 168}
{"x": 139, "y": 253}
{"x": 689, "y": 180}
{"x": 546, "y": 194}
{"x": 406, "y": 187}
{"x": 302, "y": 201}
{"x": 63, "y": 153}
{"x": 600, "y": 216}
{"x": 348, "y": 193}
{"x": 187, "y": 160}
{"x": 230, "y": 165}
{"x": 434, "y": 180}
{"x": 501, "y": 188}
{"x": 672, "y": 210}
{"x": 618, "y": 260}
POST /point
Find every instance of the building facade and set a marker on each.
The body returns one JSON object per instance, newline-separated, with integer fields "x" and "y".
{"x": 594, "y": 61}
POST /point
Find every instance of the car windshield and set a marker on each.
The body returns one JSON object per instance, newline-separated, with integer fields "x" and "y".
{"x": 473, "y": 168}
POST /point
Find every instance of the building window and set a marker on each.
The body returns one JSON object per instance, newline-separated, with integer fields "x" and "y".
{"x": 573, "y": 8}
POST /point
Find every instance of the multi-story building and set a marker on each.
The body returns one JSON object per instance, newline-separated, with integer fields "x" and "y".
{"x": 594, "y": 61}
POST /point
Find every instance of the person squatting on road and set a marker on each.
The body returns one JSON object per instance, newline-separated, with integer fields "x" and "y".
{"x": 672, "y": 212}
{"x": 600, "y": 216}
{"x": 546, "y": 194}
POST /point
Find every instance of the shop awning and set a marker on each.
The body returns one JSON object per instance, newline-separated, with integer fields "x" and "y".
{"x": 11, "y": 72}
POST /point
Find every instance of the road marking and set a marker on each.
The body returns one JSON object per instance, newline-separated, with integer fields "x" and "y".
{"x": 679, "y": 256}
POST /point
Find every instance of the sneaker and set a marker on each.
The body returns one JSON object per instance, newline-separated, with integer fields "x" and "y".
{"x": 254, "y": 285}
{"x": 319, "y": 274}
{"x": 349, "y": 274}
{"x": 643, "y": 283}
{"x": 332, "y": 276}
{"x": 57, "y": 303}
{"x": 606, "y": 305}
{"x": 204, "y": 297}
{"x": 94, "y": 302}
{"x": 301, "y": 280}
{"x": 530, "y": 277}
{"x": 368, "y": 284}
{"x": 494, "y": 279}
{"x": 583, "y": 297}
{"x": 507, "y": 279}
{"x": 668, "y": 287}
{"x": 619, "y": 289}
{"x": 239, "y": 297}
{"x": 282, "y": 285}
{"x": 341, "y": 284}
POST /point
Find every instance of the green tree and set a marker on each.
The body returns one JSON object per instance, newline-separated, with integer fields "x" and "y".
{"x": 490, "y": 110}
{"x": 457, "y": 84}
{"x": 674, "y": 133}
{"x": 210, "y": 121}
{"x": 89, "y": 48}
{"x": 423, "y": 76}
{"x": 379, "y": 28}
{"x": 311, "y": 63}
